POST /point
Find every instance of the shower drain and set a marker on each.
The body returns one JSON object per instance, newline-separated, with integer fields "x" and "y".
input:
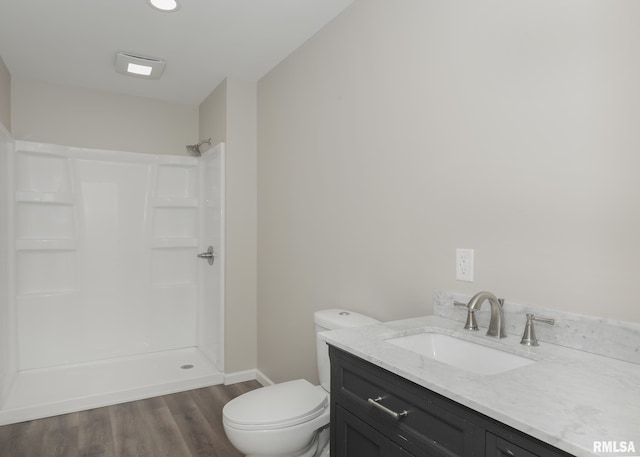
{"x": 187, "y": 367}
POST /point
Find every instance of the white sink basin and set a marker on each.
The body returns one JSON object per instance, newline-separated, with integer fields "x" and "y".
{"x": 461, "y": 353}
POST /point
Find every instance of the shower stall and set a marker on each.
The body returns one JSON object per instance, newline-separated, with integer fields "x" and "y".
{"x": 109, "y": 291}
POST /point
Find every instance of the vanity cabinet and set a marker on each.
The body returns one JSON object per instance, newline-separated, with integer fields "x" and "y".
{"x": 362, "y": 439}
{"x": 377, "y": 413}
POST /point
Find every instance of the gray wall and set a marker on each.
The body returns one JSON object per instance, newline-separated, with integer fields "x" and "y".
{"x": 5, "y": 95}
{"x": 406, "y": 129}
{"x": 73, "y": 116}
{"x": 229, "y": 114}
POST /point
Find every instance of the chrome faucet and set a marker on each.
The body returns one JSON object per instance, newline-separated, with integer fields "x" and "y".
{"x": 496, "y": 324}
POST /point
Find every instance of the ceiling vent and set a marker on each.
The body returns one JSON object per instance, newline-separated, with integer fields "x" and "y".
{"x": 139, "y": 66}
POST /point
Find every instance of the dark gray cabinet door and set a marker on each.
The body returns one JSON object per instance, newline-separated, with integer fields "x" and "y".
{"x": 354, "y": 438}
{"x": 416, "y": 419}
{"x": 497, "y": 446}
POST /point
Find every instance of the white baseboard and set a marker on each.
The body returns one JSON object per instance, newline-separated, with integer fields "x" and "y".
{"x": 247, "y": 375}
{"x": 239, "y": 376}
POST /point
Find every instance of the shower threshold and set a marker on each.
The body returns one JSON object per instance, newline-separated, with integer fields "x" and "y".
{"x": 60, "y": 390}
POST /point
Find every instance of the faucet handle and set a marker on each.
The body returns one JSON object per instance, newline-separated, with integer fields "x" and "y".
{"x": 529, "y": 335}
{"x": 471, "y": 323}
{"x": 546, "y": 320}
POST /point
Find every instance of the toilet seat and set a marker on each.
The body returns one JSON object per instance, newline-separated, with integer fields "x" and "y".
{"x": 277, "y": 406}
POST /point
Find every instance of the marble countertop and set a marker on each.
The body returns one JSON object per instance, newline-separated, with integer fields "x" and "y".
{"x": 568, "y": 398}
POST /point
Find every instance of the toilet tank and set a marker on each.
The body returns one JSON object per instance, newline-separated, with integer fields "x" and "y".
{"x": 333, "y": 319}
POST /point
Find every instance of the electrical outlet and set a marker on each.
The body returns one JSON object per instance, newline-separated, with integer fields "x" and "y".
{"x": 464, "y": 265}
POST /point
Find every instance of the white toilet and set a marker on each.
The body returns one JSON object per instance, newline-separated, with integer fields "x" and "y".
{"x": 290, "y": 419}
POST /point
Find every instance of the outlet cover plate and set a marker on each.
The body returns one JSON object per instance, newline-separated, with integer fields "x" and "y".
{"x": 464, "y": 265}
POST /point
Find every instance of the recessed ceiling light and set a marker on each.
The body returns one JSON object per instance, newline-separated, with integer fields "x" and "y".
{"x": 140, "y": 66}
{"x": 164, "y": 5}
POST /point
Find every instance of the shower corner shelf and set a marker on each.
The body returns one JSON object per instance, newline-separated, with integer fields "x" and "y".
{"x": 57, "y": 198}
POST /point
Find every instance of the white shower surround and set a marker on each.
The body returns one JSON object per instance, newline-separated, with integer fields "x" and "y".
{"x": 8, "y": 359}
{"x": 107, "y": 299}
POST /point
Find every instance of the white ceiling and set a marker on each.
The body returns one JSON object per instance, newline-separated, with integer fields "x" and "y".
{"x": 74, "y": 42}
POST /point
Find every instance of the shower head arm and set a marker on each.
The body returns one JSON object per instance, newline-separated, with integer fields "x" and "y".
{"x": 194, "y": 149}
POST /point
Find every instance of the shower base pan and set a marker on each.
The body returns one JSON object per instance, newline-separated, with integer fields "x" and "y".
{"x": 60, "y": 390}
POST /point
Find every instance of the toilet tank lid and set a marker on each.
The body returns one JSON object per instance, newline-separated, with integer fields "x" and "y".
{"x": 336, "y": 318}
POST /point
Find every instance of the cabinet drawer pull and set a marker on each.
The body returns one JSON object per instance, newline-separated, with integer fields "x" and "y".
{"x": 376, "y": 402}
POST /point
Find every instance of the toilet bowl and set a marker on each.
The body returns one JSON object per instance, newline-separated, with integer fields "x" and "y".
{"x": 290, "y": 419}
{"x": 282, "y": 419}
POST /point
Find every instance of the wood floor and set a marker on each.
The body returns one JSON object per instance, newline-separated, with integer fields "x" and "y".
{"x": 186, "y": 424}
